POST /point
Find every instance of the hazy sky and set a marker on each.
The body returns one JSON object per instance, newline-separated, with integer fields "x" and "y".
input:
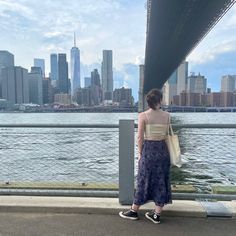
{"x": 34, "y": 29}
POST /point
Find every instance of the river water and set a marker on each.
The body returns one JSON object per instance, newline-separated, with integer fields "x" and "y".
{"x": 91, "y": 155}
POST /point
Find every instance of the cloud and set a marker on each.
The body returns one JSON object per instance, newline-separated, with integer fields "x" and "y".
{"x": 202, "y": 57}
{"x": 7, "y": 6}
{"x": 213, "y": 70}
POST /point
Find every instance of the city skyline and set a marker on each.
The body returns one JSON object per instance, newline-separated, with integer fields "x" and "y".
{"x": 97, "y": 25}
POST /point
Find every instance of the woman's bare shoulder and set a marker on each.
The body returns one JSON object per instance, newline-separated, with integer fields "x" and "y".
{"x": 141, "y": 115}
{"x": 166, "y": 113}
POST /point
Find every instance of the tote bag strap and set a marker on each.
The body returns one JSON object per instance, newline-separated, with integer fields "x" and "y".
{"x": 170, "y": 130}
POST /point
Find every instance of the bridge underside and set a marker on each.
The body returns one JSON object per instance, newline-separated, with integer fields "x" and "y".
{"x": 174, "y": 28}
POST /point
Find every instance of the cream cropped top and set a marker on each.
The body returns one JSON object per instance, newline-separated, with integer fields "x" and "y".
{"x": 152, "y": 126}
{"x": 155, "y": 131}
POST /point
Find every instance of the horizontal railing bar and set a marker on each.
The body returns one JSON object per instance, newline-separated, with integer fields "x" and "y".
{"x": 58, "y": 126}
{"x": 206, "y": 126}
{"x": 201, "y": 196}
{"x": 178, "y": 126}
{"x": 65, "y": 193}
{"x": 106, "y": 193}
{"x": 202, "y": 126}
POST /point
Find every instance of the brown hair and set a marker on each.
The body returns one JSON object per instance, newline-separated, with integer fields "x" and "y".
{"x": 154, "y": 97}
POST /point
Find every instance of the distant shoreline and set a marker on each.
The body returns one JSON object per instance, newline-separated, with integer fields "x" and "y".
{"x": 123, "y": 111}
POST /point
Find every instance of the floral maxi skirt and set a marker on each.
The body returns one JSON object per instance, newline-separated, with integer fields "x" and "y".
{"x": 153, "y": 179}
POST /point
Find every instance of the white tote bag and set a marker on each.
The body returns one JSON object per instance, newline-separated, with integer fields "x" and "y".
{"x": 172, "y": 142}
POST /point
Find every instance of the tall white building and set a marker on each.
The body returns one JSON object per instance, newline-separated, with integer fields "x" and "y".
{"x": 197, "y": 84}
{"x": 182, "y": 74}
{"x": 75, "y": 68}
{"x": 228, "y": 83}
{"x": 107, "y": 75}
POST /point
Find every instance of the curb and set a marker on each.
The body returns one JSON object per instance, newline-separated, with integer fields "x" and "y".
{"x": 83, "y": 205}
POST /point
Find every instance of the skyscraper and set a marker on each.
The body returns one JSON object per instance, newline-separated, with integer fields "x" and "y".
{"x": 182, "y": 74}
{"x": 63, "y": 73}
{"x": 228, "y": 83}
{"x": 40, "y": 63}
{"x": 141, "y": 100}
{"x": 6, "y": 60}
{"x": 35, "y": 86}
{"x": 96, "y": 91}
{"x": 197, "y": 84}
{"x": 15, "y": 86}
{"x": 75, "y": 68}
{"x": 53, "y": 67}
{"x": 171, "y": 88}
{"x": 107, "y": 75}
{"x": 87, "y": 82}
{"x": 123, "y": 96}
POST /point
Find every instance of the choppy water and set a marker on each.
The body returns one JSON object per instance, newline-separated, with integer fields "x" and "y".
{"x": 91, "y": 155}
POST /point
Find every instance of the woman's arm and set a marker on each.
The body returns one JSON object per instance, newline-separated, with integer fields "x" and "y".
{"x": 141, "y": 127}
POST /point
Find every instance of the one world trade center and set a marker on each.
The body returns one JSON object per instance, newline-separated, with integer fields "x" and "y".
{"x": 75, "y": 68}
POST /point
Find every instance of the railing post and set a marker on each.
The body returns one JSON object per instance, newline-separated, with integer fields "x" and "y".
{"x": 126, "y": 161}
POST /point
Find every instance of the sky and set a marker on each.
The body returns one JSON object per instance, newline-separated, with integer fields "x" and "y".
{"x": 33, "y": 29}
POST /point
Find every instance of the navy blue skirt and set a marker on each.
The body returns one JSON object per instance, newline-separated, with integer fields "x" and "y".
{"x": 153, "y": 179}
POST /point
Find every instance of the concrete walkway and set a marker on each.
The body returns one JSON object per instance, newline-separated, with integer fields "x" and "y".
{"x": 39, "y": 224}
{"x": 25, "y": 215}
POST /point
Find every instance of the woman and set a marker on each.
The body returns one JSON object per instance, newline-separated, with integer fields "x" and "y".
{"x": 153, "y": 181}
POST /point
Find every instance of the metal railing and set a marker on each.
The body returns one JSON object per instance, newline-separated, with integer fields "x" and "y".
{"x": 97, "y": 160}
{"x": 59, "y": 159}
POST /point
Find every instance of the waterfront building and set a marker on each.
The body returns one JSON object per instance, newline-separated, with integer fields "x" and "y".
{"x": 87, "y": 82}
{"x": 215, "y": 99}
{"x": 107, "y": 75}
{"x": 171, "y": 88}
{"x": 62, "y": 99}
{"x": 234, "y": 99}
{"x": 183, "y": 98}
{"x": 197, "y": 84}
{"x": 176, "y": 99}
{"x": 182, "y": 75}
{"x": 193, "y": 99}
{"x": 6, "y": 60}
{"x": 53, "y": 68}
{"x": 63, "y": 80}
{"x": 205, "y": 100}
{"x": 35, "y": 86}
{"x": 141, "y": 98}
{"x": 83, "y": 96}
{"x": 75, "y": 68}
{"x": 123, "y": 97}
{"x": 228, "y": 83}
{"x": 48, "y": 96}
{"x": 96, "y": 90}
{"x": 38, "y": 62}
{"x": 15, "y": 85}
{"x": 227, "y": 99}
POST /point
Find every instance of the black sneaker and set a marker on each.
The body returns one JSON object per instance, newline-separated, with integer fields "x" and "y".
{"x": 130, "y": 214}
{"x": 153, "y": 216}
